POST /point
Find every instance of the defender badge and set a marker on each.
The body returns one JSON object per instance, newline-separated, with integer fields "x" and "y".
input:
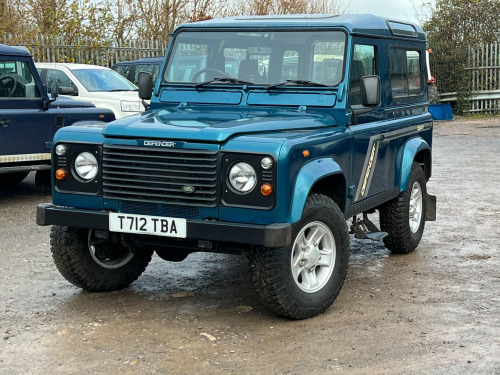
{"x": 188, "y": 189}
{"x": 159, "y": 143}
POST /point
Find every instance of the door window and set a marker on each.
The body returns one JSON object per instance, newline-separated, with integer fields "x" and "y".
{"x": 16, "y": 80}
{"x": 65, "y": 85}
{"x": 364, "y": 63}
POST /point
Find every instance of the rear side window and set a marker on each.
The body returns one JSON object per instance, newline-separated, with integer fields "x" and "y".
{"x": 406, "y": 72}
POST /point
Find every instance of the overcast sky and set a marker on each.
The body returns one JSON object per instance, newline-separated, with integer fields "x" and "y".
{"x": 398, "y": 9}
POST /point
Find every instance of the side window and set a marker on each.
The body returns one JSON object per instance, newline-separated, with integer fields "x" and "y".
{"x": 328, "y": 62}
{"x": 246, "y": 64}
{"x": 65, "y": 85}
{"x": 290, "y": 67}
{"x": 186, "y": 61}
{"x": 16, "y": 80}
{"x": 364, "y": 63}
{"x": 56, "y": 76}
{"x": 123, "y": 70}
{"x": 148, "y": 68}
{"x": 232, "y": 59}
{"x": 406, "y": 72}
{"x": 156, "y": 72}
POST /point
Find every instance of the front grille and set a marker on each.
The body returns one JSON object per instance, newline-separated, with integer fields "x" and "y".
{"x": 160, "y": 175}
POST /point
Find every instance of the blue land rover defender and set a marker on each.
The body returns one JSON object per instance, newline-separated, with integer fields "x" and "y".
{"x": 29, "y": 118}
{"x": 323, "y": 120}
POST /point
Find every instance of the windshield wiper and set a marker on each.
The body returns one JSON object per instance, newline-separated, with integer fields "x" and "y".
{"x": 223, "y": 79}
{"x": 297, "y": 82}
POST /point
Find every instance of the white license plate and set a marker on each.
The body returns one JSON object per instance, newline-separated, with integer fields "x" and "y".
{"x": 145, "y": 224}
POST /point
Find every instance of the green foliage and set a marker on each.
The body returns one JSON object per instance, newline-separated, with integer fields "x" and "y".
{"x": 457, "y": 23}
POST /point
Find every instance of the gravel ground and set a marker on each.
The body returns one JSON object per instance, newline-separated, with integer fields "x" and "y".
{"x": 434, "y": 311}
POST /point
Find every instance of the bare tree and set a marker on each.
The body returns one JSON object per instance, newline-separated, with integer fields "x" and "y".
{"x": 200, "y": 10}
{"x": 124, "y": 19}
{"x": 108, "y": 20}
{"x": 156, "y": 19}
{"x": 263, "y": 7}
{"x": 45, "y": 15}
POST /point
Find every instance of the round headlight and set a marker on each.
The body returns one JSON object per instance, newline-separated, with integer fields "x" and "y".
{"x": 86, "y": 166}
{"x": 242, "y": 177}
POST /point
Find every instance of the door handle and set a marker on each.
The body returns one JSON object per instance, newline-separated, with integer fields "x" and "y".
{"x": 4, "y": 122}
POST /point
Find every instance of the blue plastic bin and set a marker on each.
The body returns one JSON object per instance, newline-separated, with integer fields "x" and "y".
{"x": 441, "y": 112}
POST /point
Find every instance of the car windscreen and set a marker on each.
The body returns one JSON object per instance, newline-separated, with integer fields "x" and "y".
{"x": 103, "y": 80}
{"x": 257, "y": 57}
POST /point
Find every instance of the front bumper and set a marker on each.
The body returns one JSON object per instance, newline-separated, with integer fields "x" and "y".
{"x": 273, "y": 235}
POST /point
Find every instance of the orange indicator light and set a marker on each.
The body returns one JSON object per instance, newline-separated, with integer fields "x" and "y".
{"x": 266, "y": 190}
{"x": 61, "y": 174}
{"x": 101, "y": 116}
{"x": 305, "y": 153}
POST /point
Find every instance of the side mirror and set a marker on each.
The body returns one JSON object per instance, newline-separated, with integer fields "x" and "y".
{"x": 145, "y": 86}
{"x": 370, "y": 91}
{"x": 66, "y": 90}
{"x": 54, "y": 91}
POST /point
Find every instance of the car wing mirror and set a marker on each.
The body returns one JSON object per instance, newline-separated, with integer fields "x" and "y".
{"x": 54, "y": 92}
{"x": 67, "y": 90}
{"x": 370, "y": 91}
{"x": 145, "y": 85}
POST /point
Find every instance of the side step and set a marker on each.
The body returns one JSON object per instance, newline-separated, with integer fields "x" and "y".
{"x": 365, "y": 229}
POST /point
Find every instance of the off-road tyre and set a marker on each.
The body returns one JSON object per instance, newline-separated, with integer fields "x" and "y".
{"x": 72, "y": 256}
{"x": 271, "y": 269}
{"x": 12, "y": 178}
{"x": 395, "y": 216}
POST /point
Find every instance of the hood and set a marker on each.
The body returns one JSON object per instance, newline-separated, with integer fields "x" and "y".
{"x": 115, "y": 95}
{"x": 67, "y": 102}
{"x": 198, "y": 124}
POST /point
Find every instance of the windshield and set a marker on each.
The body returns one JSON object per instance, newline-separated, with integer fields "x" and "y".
{"x": 103, "y": 80}
{"x": 261, "y": 58}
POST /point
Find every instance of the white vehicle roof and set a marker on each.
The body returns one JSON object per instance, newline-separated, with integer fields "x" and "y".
{"x": 70, "y": 66}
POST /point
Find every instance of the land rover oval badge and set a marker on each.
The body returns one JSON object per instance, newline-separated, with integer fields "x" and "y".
{"x": 188, "y": 189}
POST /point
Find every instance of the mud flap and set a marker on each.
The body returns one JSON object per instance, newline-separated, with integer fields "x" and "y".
{"x": 430, "y": 207}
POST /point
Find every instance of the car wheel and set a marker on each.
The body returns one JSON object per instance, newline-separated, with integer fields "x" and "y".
{"x": 302, "y": 280}
{"x": 403, "y": 218}
{"x": 95, "y": 264}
